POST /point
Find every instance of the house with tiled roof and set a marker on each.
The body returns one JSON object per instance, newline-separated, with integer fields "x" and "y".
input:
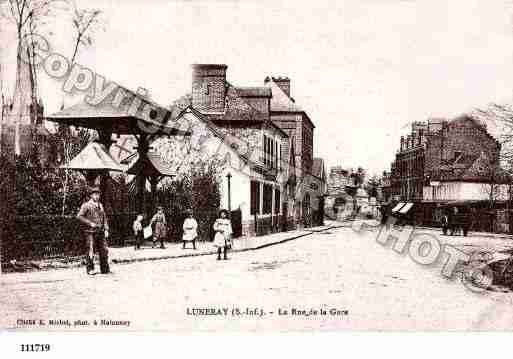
{"x": 270, "y": 176}
{"x": 448, "y": 162}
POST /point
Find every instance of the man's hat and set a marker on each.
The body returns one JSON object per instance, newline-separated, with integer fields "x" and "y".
{"x": 92, "y": 190}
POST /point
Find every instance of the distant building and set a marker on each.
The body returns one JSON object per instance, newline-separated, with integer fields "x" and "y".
{"x": 445, "y": 163}
{"x": 339, "y": 204}
{"x": 386, "y": 187}
{"x": 441, "y": 152}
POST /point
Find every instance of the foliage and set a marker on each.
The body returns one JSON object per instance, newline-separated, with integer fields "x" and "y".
{"x": 86, "y": 22}
{"x": 39, "y": 190}
{"x": 197, "y": 192}
{"x": 371, "y": 186}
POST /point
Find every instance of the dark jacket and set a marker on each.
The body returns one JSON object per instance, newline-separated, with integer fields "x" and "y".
{"x": 93, "y": 213}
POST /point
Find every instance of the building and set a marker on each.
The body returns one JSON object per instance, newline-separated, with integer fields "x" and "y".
{"x": 447, "y": 161}
{"x": 386, "y": 188}
{"x": 263, "y": 142}
{"x": 339, "y": 204}
{"x": 442, "y": 151}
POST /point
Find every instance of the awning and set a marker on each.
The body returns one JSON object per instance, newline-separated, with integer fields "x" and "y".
{"x": 406, "y": 208}
{"x": 397, "y": 207}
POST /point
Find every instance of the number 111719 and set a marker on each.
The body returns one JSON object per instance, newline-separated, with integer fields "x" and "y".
{"x": 35, "y": 347}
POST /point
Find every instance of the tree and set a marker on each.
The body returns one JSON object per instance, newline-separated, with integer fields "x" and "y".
{"x": 86, "y": 22}
{"x": 371, "y": 186}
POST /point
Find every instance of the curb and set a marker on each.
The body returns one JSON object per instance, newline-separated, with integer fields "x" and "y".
{"x": 213, "y": 252}
{"x": 78, "y": 264}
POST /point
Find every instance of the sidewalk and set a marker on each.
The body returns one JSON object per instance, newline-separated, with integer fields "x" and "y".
{"x": 173, "y": 250}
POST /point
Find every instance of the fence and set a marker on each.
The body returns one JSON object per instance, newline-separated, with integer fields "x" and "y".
{"x": 52, "y": 236}
{"x": 42, "y": 237}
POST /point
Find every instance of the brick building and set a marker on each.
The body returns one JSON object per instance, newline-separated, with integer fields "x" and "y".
{"x": 444, "y": 162}
{"x": 442, "y": 150}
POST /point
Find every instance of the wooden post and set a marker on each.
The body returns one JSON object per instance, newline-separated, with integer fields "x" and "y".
{"x": 154, "y": 180}
{"x": 105, "y": 138}
{"x": 229, "y": 176}
{"x": 143, "y": 149}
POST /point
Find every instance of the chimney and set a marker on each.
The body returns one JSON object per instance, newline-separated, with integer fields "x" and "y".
{"x": 209, "y": 87}
{"x": 282, "y": 82}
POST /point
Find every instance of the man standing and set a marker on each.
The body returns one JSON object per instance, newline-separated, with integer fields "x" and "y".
{"x": 96, "y": 230}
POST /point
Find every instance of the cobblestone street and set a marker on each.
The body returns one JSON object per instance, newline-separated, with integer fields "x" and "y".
{"x": 335, "y": 270}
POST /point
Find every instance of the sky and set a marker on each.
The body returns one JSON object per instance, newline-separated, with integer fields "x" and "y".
{"x": 361, "y": 69}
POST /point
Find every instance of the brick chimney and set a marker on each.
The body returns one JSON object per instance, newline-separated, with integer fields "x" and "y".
{"x": 209, "y": 87}
{"x": 282, "y": 82}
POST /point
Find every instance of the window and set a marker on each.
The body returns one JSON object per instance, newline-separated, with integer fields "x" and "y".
{"x": 270, "y": 157}
{"x": 255, "y": 197}
{"x": 277, "y": 201}
{"x": 267, "y": 199}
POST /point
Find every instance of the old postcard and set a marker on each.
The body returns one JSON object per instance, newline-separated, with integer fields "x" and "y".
{"x": 255, "y": 166}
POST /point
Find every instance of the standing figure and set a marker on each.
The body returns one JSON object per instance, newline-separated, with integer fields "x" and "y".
{"x": 160, "y": 231}
{"x": 445, "y": 223}
{"x": 96, "y": 230}
{"x": 222, "y": 238}
{"x": 138, "y": 231}
{"x": 190, "y": 230}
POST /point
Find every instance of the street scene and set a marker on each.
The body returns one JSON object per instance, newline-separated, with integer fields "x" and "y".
{"x": 335, "y": 269}
{"x": 282, "y": 173}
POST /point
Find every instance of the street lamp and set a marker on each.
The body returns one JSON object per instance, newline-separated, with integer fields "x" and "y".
{"x": 229, "y": 177}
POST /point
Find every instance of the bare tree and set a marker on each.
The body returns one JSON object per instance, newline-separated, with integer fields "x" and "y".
{"x": 86, "y": 22}
{"x": 500, "y": 116}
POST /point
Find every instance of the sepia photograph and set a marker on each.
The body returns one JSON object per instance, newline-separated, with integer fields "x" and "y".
{"x": 244, "y": 166}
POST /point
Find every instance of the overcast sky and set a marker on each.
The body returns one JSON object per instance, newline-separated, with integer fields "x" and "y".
{"x": 362, "y": 69}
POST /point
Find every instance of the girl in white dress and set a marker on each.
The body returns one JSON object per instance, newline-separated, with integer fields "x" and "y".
{"x": 222, "y": 238}
{"x": 190, "y": 230}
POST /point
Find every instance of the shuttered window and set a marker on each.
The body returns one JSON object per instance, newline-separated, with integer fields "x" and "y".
{"x": 255, "y": 197}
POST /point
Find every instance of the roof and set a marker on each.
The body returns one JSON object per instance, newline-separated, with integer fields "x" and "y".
{"x": 318, "y": 167}
{"x": 118, "y": 116}
{"x": 473, "y": 168}
{"x": 280, "y": 102}
{"x": 94, "y": 156}
{"x": 236, "y": 108}
{"x": 153, "y": 165}
{"x": 254, "y": 91}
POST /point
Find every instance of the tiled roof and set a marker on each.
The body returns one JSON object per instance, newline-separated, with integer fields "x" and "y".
{"x": 254, "y": 91}
{"x": 93, "y": 157}
{"x": 280, "y": 102}
{"x": 236, "y": 108}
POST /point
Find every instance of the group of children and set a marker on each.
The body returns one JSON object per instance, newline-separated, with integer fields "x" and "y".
{"x": 222, "y": 228}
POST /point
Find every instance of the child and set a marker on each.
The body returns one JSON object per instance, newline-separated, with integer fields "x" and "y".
{"x": 138, "y": 231}
{"x": 190, "y": 230}
{"x": 222, "y": 238}
{"x": 160, "y": 232}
